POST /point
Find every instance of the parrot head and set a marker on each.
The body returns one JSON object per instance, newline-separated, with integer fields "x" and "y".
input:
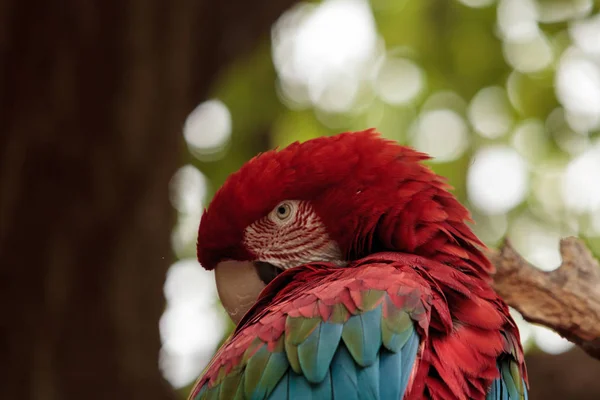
{"x": 331, "y": 199}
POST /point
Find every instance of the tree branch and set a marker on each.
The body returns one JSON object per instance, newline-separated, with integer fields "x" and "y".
{"x": 566, "y": 300}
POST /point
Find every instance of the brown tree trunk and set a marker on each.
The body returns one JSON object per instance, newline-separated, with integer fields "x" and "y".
{"x": 92, "y": 99}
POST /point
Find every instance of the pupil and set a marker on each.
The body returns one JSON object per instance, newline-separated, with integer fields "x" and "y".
{"x": 281, "y": 210}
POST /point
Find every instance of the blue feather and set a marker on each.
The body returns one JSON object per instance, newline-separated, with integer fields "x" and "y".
{"x": 298, "y": 387}
{"x": 368, "y": 381}
{"x": 395, "y": 368}
{"x": 343, "y": 375}
{"x": 409, "y": 355}
{"x": 282, "y": 390}
{"x": 317, "y": 351}
{"x": 508, "y": 380}
{"x": 201, "y": 392}
{"x": 493, "y": 393}
{"x": 324, "y": 389}
{"x": 504, "y": 388}
{"x": 295, "y": 386}
{"x": 389, "y": 371}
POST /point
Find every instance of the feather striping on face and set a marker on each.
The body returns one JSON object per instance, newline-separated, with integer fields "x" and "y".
{"x": 290, "y": 235}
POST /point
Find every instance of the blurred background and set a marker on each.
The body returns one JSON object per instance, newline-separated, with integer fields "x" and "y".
{"x": 119, "y": 122}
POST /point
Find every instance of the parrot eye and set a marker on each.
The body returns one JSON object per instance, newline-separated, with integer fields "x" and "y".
{"x": 283, "y": 211}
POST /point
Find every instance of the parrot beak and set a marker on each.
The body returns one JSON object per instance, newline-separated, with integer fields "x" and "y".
{"x": 240, "y": 282}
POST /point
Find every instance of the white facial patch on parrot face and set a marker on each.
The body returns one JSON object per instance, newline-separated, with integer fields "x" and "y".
{"x": 291, "y": 235}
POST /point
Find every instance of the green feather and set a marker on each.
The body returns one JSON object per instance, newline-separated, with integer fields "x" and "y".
{"x": 230, "y": 385}
{"x": 252, "y": 348}
{"x": 292, "y": 355}
{"x": 516, "y": 375}
{"x": 221, "y": 374}
{"x": 370, "y": 299}
{"x": 339, "y": 314}
{"x": 510, "y": 383}
{"x": 396, "y": 327}
{"x": 362, "y": 336}
{"x": 212, "y": 394}
{"x": 263, "y": 371}
{"x": 297, "y": 329}
{"x": 254, "y": 368}
{"x": 240, "y": 393}
{"x": 275, "y": 369}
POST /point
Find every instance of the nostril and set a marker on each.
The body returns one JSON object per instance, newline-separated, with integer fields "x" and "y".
{"x": 266, "y": 272}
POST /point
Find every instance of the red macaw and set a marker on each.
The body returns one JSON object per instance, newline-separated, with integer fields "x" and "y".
{"x": 374, "y": 286}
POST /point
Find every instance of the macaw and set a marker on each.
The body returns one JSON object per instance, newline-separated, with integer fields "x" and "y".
{"x": 351, "y": 273}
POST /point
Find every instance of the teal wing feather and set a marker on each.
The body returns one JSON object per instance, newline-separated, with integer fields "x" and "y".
{"x": 510, "y": 385}
{"x": 356, "y": 340}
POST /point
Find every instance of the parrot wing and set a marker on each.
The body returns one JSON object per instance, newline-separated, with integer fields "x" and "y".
{"x": 344, "y": 333}
{"x": 371, "y": 330}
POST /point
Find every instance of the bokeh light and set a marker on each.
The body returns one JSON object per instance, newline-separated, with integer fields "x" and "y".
{"x": 207, "y": 129}
{"x": 578, "y": 85}
{"x": 585, "y": 34}
{"x": 581, "y": 184}
{"x": 490, "y": 112}
{"x": 563, "y": 134}
{"x": 529, "y": 139}
{"x": 517, "y": 20}
{"x": 325, "y": 50}
{"x": 550, "y": 341}
{"x": 525, "y": 328}
{"x": 537, "y": 242}
{"x": 191, "y": 326}
{"x": 529, "y": 55}
{"x": 193, "y": 323}
{"x": 477, "y": 3}
{"x": 188, "y": 189}
{"x": 399, "y": 80}
{"x": 443, "y": 134}
{"x": 551, "y": 11}
{"x": 497, "y": 180}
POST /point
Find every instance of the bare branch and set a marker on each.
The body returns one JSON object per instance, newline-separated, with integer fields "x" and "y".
{"x": 566, "y": 300}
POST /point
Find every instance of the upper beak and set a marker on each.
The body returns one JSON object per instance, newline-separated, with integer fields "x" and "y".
{"x": 240, "y": 282}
